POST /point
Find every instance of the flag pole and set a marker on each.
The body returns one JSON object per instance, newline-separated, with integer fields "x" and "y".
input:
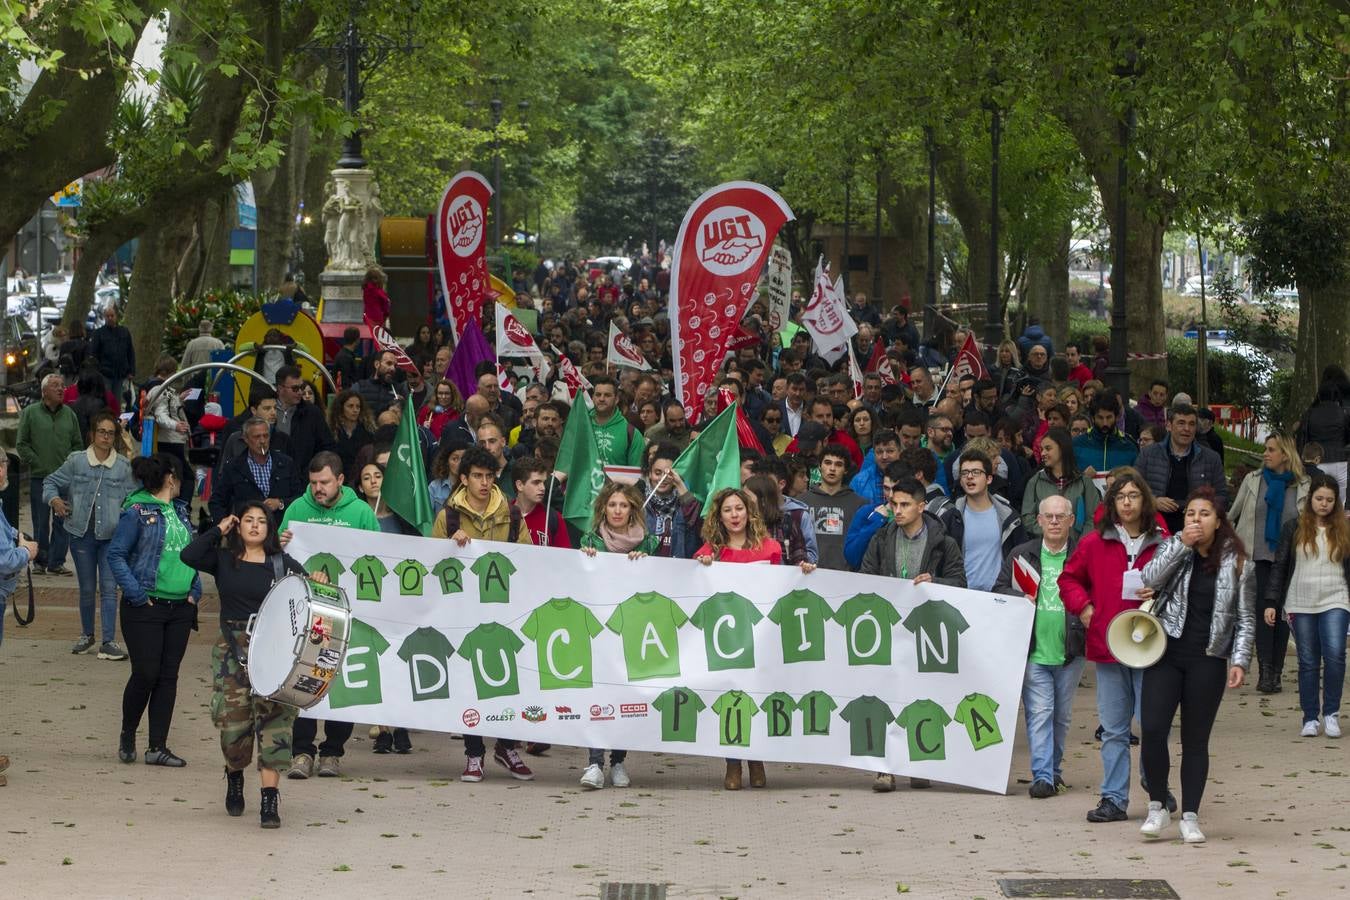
{"x": 548, "y": 505}
{"x": 656, "y": 487}
{"x": 941, "y": 390}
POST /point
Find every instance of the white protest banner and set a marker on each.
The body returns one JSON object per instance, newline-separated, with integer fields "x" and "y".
{"x": 751, "y": 661}
{"x": 622, "y": 352}
{"x": 826, "y": 316}
{"x": 778, "y": 284}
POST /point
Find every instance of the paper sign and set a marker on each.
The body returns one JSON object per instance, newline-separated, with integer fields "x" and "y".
{"x": 1132, "y": 584}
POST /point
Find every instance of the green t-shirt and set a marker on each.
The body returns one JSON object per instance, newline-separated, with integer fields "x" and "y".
{"x": 358, "y": 681}
{"x": 648, "y": 623}
{"x": 410, "y": 574}
{"x": 867, "y": 620}
{"x": 562, "y": 630}
{"x": 868, "y": 718}
{"x": 778, "y": 708}
{"x": 369, "y": 572}
{"x": 427, "y": 653}
{"x": 489, "y": 678}
{"x": 976, "y": 712}
{"x": 450, "y": 572}
{"x": 925, "y": 721}
{"x": 494, "y": 571}
{"x": 728, "y": 623}
{"x": 326, "y": 563}
{"x": 1050, "y": 623}
{"x": 936, "y": 625}
{"x": 816, "y": 708}
{"x": 679, "y": 708}
{"x": 735, "y": 710}
{"x": 801, "y": 616}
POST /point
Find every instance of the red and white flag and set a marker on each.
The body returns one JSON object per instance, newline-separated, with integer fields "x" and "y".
{"x": 742, "y": 338}
{"x": 968, "y": 360}
{"x": 513, "y": 339}
{"x": 826, "y": 316}
{"x": 385, "y": 341}
{"x": 855, "y": 372}
{"x": 623, "y": 353}
{"x": 504, "y": 380}
{"x": 461, "y": 241}
{"x": 1027, "y": 578}
{"x": 724, "y": 240}
{"x": 572, "y": 377}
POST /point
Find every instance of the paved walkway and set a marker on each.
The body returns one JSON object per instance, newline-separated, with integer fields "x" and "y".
{"x": 77, "y": 821}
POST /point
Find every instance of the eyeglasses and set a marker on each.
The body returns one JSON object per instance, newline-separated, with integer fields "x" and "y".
{"x": 973, "y": 473}
{"x": 105, "y": 432}
{"x": 1056, "y": 517}
{"x": 772, "y": 420}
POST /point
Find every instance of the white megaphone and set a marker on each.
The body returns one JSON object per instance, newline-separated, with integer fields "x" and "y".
{"x": 1136, "y": 637}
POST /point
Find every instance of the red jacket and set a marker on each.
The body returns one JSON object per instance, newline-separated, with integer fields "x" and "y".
{"x": 770, "y": 551}
{"x": 1080, "y": 374}
{"x": 1093, "y": 576}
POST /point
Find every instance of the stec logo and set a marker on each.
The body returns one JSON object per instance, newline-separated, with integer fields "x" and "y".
{"x": 471, "y": 718}
{"x": 565, "y": 714}
{"x": 601, "y": 713}
{"x": 633, "y": 710}
{"x": 533, "y": 714}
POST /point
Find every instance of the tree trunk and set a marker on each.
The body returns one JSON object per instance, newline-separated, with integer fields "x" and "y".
{"x": 907, "y": 212}
{"x": 1046, "y": 291}
{"x": 1323, "y": 340}
{"x": 98, "y": 246}
{"x": 969, "y": 203}
{"x": 161, "y": 248}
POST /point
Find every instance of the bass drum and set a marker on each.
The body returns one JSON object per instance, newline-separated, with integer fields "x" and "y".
{"x": 297, "y": 641}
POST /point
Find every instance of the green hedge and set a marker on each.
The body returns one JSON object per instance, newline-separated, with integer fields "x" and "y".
{"x": 1232, "y": 378}
{"x": 228, "y": 310}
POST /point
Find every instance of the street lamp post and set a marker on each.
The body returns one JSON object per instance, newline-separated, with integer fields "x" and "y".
{"x": 876, "y": 242}
{"x": 848, "y": 216}
{"x": 1118, "y": 368}
{"x": 993, "y": 324}
{"x": 931, "y": 294}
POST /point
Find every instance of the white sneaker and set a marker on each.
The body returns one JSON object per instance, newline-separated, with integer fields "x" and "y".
{"x": 593, "y": 777}
{"x": 1190, "y": 829}
{"x": 618, "y": 775}
{"x": 1309, "y": 729}
{"x": 1158, "y": 818}
{"x": 1331, "y": 725}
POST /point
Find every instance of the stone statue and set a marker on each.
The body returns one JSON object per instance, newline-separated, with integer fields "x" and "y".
{"x": 351, "y": 218}
{"x": 373, "y": 212}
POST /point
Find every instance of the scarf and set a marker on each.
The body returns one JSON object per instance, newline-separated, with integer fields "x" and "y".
{"x": 624, "y": 541}
{"x": 1276, "y": 485}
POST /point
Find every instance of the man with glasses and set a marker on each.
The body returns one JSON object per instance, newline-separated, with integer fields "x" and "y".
{"x": 940, "y": 433}
{"x": 301, "y": 421}
{"x": 1055, "y": 660}
{"x": 983, "y": 524}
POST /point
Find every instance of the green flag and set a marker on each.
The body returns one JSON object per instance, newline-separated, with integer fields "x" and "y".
{"x": 579, "y": 457}
{"x": 405, "y": 478}
{"x": 713, "y": 460}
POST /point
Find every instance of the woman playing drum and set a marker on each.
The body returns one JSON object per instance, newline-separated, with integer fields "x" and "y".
{"x": 244, "y": 555}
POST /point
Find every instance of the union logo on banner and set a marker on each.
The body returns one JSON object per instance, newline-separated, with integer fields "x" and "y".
{"x": 384, "y": 341}
{"x": 623, "y": 353}
{"x": 968, "y": 361}
{"x": 723, "y": 243}
{"x": 512, "y": 338}
{"x": 461, "y": 247}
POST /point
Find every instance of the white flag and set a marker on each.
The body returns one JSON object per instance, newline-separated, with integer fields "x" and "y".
{"x": 623, "y": 353}
{"x": 778, "y": 284}
{"x": 826, "y": 317}
{"x": 512, "y": 338}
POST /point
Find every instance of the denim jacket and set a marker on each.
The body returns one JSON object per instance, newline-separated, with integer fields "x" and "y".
{"x": 136, "y": 546}
{"x": 13, "y": 560}
{"x": 90, "y": 489}
{"x": 1232, "y": 629}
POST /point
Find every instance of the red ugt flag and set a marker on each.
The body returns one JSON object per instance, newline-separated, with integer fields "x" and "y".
{"x": 968, "y": 360}
{"x": 461, "y": 242}
{"x": 724, "y": 240}
{"x": 385, "y": 341}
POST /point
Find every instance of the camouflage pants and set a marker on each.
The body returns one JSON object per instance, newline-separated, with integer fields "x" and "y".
{"x": 243, "y": 718}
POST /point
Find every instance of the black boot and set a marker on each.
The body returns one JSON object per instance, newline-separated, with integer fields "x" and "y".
{"x": 126, "y": 747}
{"x": 269, "y": 817}
{"x": 234, "y": 793}
{"x": 1263, "y": 683}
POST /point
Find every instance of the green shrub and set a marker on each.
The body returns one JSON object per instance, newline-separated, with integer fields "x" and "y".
{"x": 227, "y": 309}
{"x": 1233, "y": 379}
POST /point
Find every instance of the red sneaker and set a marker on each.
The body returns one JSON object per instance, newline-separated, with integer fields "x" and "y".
{"x": 510, "y": 759}
{"x": 473, "y": 769}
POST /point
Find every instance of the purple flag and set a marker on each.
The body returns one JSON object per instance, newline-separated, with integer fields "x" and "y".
{"x": 472, "y": 349}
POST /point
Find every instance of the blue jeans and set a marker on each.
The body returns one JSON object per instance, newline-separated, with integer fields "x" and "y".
{"x": 1119, "y": 689}
{"x": 596, "y": 757}
{"x": 49, "y": 533}
{"x": 91, "y": 566}
{"x": 1047, "y": 699}
{"x": 1320, "y": 639}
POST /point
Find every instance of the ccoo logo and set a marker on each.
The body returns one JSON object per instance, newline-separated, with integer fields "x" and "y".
{"x": 728, "y": 239}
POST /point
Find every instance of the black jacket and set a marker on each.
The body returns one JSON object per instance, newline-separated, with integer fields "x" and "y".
{"x": 348, "y": 367}
{"x": 235, "y": 483}
{"x": 1075, "y": 635}
{"x": 1328, "y": 424}
{"x": 941, "y": 555}
{"x": 111, "y": 346}
{"x": 309, "y": 434}
{"x": 1282, "y": 570}
{"x": 380, "y": 395}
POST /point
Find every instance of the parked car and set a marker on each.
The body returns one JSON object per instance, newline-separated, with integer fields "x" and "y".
{"x": 20, "y": 347}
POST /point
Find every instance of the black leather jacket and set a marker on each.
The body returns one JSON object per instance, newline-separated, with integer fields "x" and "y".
{"x": 1282, "y": 570}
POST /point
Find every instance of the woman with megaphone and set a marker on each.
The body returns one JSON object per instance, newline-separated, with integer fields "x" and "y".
{"x": 1101, "y": 580}
{"x": 1205, "y": 599}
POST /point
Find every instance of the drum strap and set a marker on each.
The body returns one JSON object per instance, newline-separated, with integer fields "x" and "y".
{"x": 278, "y": 567}
{"x": 234, "y": 636}
{"x": 24, "y": 623}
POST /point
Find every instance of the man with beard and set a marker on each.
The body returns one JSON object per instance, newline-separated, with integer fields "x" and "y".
{"x": 1104, "y": 447}
{"x": 379, "y": 390}
{"x": 673, "y": 428}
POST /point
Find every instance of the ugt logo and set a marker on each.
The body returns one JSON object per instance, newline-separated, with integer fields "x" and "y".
{"x": 728, "y": 240}
{"x": 465, "y": 224}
